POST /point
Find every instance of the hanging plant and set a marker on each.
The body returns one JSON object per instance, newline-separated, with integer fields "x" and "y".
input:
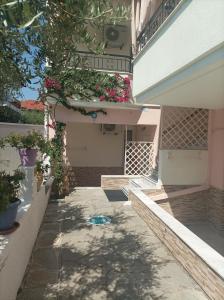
{"x": 87, "y": 85}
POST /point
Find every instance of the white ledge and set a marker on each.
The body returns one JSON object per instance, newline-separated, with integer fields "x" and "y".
{"x": 211, "y": 257}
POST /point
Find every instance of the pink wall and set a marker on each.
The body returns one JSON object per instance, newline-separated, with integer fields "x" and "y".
{"x": 216, "y": 148}
{"x": 150, "y": 116}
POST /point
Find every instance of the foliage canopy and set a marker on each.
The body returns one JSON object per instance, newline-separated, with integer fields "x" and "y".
{"x": 31, "y": 30}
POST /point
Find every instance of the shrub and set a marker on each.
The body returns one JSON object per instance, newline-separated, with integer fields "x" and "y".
{"x": 9, "y": 187}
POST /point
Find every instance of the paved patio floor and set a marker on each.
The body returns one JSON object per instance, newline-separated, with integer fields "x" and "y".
{"x": 124, "y": 260}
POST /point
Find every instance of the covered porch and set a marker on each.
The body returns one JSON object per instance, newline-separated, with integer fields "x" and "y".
{"x": 123, "y": 141}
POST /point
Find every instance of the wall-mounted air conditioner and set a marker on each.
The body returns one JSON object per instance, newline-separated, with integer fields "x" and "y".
{"x": 109, "y": 129}
{"x": 115, "y": 36}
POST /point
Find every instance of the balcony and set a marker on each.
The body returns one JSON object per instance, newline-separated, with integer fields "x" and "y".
{"x": 162, "y": 13}
{"x": 106, "y": 62}
{"x": 180, "y": 60}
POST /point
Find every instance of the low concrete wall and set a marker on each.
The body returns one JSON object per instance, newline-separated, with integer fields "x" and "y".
{"x": 16, "y": 248}
{"x": 204, "y": 264}
{"x": 116, "y": 182}
{"x": 194, "y": 204}
{"x": 7, "y": 128}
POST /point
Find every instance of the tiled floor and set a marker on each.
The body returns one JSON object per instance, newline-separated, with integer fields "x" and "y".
{"x": 124, "y": 260}
{"x": 209, "y": 234}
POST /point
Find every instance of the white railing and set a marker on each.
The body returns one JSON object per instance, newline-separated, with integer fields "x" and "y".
{"x": 139, "y": 158}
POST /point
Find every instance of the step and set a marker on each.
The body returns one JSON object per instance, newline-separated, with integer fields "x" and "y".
{"x": 142, "y": 183}
{"x": 151, "y": 179}
{"x": 125, "y": 190}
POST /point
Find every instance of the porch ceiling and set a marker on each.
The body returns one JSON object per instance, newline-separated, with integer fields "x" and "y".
{"x": 199, "y": 85}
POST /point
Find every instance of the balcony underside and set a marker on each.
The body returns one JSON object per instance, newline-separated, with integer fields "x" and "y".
{"x": 200, "y": 84}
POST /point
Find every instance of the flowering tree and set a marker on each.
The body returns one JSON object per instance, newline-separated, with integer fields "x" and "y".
{"x": 31, "y": 30}
{"x": 84, "y": 85}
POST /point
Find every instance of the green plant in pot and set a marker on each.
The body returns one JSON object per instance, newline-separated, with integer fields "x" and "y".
{"x": 40, "y": 170}
{"x": 9, "y": 202}
{"x": 27, "y": 145}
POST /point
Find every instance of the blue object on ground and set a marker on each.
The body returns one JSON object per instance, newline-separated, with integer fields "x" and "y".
{"x": 99, "y": 220}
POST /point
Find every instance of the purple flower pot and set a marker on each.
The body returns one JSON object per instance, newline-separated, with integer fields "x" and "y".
{"x": 28, "y": 157}
{"x": 7, "y": 217}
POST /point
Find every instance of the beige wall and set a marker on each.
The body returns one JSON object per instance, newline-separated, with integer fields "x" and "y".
{"x": 146, "y": 133}
{"x": 147, "y": 116}
{"x": 183, "y": 167}
{"x": 88, "y": 147}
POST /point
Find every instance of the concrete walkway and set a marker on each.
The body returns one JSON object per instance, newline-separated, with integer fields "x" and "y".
{"x": 124, "y": 260}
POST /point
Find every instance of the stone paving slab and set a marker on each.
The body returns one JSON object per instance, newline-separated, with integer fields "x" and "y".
{"x": 124, "y": 260}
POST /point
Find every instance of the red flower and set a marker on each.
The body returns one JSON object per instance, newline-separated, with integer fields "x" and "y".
{"x": 102, "y": 98}
{"x": 121, "y": 99}
{"x": 126, "y": 80}
{"x": 111, "y": 92}
{"x": 125, "y": 99}
{"x": 125, "y": 93}
{"x": 52, "y": 84}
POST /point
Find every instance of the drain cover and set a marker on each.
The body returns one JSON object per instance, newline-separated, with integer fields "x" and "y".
{"x": 99, "y": 220}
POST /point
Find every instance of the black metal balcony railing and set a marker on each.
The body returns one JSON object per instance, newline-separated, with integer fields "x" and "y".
{"x": 106, "y": 62}
{"x": 161, "y": 14}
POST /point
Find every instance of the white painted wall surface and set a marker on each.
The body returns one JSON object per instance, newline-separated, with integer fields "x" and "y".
{"x": 16, "y": 248}
{"x": 193, "y": 30}
{"x": 183, "y": 167}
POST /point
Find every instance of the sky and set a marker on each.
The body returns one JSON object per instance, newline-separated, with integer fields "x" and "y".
{"x": 29, "y": 94}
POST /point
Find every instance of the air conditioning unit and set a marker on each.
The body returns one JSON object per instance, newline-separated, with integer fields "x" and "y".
{"x": 115, "y": 36}
{"x": 109, "y": 129}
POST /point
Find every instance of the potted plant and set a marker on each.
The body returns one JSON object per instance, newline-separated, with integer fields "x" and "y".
{"x": 27, "y": 145}
{"x": 9, "y": 187}
{"x": 40, "y": 170}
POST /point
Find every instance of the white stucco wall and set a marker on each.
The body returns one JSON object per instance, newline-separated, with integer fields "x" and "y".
{"x": 16, "y": 248}
{"x": 183, "y": 167}
{"x": 193, "y": 30}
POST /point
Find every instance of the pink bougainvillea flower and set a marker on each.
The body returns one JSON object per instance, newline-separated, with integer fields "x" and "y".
{"x": 97, "y": 87}
{"x": 125, "y": 93}
{"x": 52, "y": 84}
{"x": 125, "y": 99}
{"x": 126, "y": 80}
{"x": 102, "y": 98}
{"x": 111, "y": 92}
{"x": 118, "y": 99}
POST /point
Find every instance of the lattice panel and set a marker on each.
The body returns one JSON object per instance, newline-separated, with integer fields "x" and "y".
{"x": 139, "y": 158}
{"x": 184, "y": 128}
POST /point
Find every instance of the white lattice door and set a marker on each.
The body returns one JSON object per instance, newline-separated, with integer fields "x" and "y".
{"x": 139, "y": 158}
